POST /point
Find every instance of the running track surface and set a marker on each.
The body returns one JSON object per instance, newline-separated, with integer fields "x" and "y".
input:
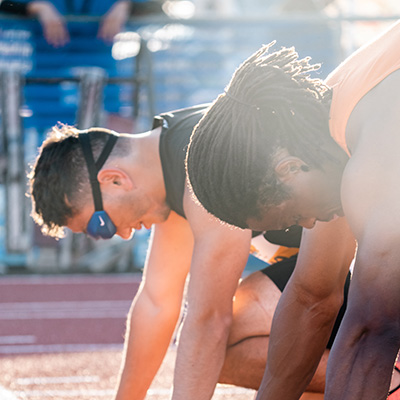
{"x": 61, "y": 337}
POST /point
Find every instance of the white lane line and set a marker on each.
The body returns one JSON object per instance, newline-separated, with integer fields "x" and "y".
{"x": 65, "y": 310}
{"x": 59, "y": 348}
{"x": 102, "y": 393}
{"x": 220, "y": 390}
{"x": 7, "y": 395}
{"x": 71, "y": 279}
{"x": 55, "y": 394}
{"x": 17, "y": 339}
{"x": 46, "y": 380}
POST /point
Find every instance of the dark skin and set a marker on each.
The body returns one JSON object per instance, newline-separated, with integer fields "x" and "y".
{"x": 370, "y": 200}
{"x": 369, "y": 338}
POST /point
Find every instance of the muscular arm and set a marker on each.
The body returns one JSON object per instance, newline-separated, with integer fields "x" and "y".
{"x": 307, "y": 310}
{"x": 363, "y": 356}
{"x": 156, "y": 308}
{"x": 219, "y": 257}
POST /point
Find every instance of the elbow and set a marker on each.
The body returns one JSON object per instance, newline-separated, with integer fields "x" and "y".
{"x": 322, "y": 307}
{"x": 373, "y": 325}
{"x": 325, "y": 311}
{"x": 373, "y": 311}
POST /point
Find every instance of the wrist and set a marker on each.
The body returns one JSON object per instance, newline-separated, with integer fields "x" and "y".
{"x": 34, "y": 7}
{"x": 124, "y": 5}
{"x": 38, "y": 7}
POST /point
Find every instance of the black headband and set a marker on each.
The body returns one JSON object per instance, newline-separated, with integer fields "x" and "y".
{"x": 94, "y": 167}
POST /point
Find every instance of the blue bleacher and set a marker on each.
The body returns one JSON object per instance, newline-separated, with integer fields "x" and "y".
{"x": 51, "y": 103}
{"x": 192, "y": 63}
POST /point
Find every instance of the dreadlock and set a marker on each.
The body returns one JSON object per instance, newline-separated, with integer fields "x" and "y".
{"x": 270, "y": 103}
{"x": 59, "y": 177}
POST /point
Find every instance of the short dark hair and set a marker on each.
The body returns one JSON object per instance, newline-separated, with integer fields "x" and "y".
{"x": 270, "y": 103}
{"x": 59, "y": 178}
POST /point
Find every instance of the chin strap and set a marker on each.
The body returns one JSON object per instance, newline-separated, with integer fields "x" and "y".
{"x": 94, "y": 167}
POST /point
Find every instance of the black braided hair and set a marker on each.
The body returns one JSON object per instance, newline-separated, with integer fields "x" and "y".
{"x": 59, "y": 180}
{"x": 270, "y": 103}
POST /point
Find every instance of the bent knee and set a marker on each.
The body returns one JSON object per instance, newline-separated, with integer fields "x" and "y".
{"x": 254, "y": 305}
{"x": 258, "y": 293}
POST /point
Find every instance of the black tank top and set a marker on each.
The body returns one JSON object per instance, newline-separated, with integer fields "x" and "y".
{"x": 177, "y": 126}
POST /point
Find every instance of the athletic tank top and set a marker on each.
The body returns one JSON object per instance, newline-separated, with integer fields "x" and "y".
{"x": 177, "y": 126}
{"x": 357, "y": 75}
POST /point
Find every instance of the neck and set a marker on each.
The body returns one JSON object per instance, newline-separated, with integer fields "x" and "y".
{"x": 146, "y": 163}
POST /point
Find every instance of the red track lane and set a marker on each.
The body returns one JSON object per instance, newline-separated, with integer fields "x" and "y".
{"x": 39, "y": 313}
{"x": 61, "y": 338}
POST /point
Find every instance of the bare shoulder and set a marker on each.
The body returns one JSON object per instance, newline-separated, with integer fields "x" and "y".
{"x": 203, "y": 224}
{"x": 370, "y": 189}
{"x": 376, "y": 116}
{"x": 174, "y": 225}
{"x": 196, "y": 214}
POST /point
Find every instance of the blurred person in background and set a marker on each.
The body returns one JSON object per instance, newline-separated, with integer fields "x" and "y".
{"x": 69, "y": 46}
{"x": 114, "y": 13}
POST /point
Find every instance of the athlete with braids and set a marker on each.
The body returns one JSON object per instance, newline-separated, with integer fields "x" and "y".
{"x": 279, "y": 149}
{"x": 104, "y": 183}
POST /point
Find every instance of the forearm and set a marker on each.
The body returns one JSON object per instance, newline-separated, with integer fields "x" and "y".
{"x": 147, "y": 340}
{"x": 360, "y": 367}
{"x": 123, "y": 7}
{"x": 201, "y": 351}
{"x": 298, "y": 339}
{"x": 362, "y": 360}
{"x": 37, "y": 8}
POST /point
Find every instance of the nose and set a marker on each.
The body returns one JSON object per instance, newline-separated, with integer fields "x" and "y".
{"x": 307, "y": 223}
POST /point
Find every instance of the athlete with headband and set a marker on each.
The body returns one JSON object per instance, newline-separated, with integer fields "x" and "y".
{"x": 103, "y": 183}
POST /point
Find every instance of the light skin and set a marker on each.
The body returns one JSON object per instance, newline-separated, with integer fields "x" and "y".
{"x": 215, "y": 255}
{"x": 55, "y": 29}
{"x": 253, "y": 309}
{"x": 368, "y": 342}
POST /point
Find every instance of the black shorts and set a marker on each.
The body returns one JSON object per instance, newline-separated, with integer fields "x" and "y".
{"x": 280, "y": 273}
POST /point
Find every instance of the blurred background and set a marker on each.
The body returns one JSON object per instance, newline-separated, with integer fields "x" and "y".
{"x": 166, "y": 55}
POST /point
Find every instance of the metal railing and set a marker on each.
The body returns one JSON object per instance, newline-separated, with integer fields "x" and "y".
{"x": 75, "y": 251}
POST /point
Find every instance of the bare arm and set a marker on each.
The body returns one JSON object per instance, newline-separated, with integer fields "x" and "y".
{"x": 307, "y": 310}
{"x": 369, "y": 339}
{"x": 114, "y": 20}
{"x": 53, "y": 23}
{"x": 156, "y": 308}
{"x": 362, "y": 360}
{"x": 219, "y": 257}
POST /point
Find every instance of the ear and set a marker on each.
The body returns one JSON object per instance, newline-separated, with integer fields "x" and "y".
{"x": 290, "y": 166}
{"x": 115, "y": 176}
